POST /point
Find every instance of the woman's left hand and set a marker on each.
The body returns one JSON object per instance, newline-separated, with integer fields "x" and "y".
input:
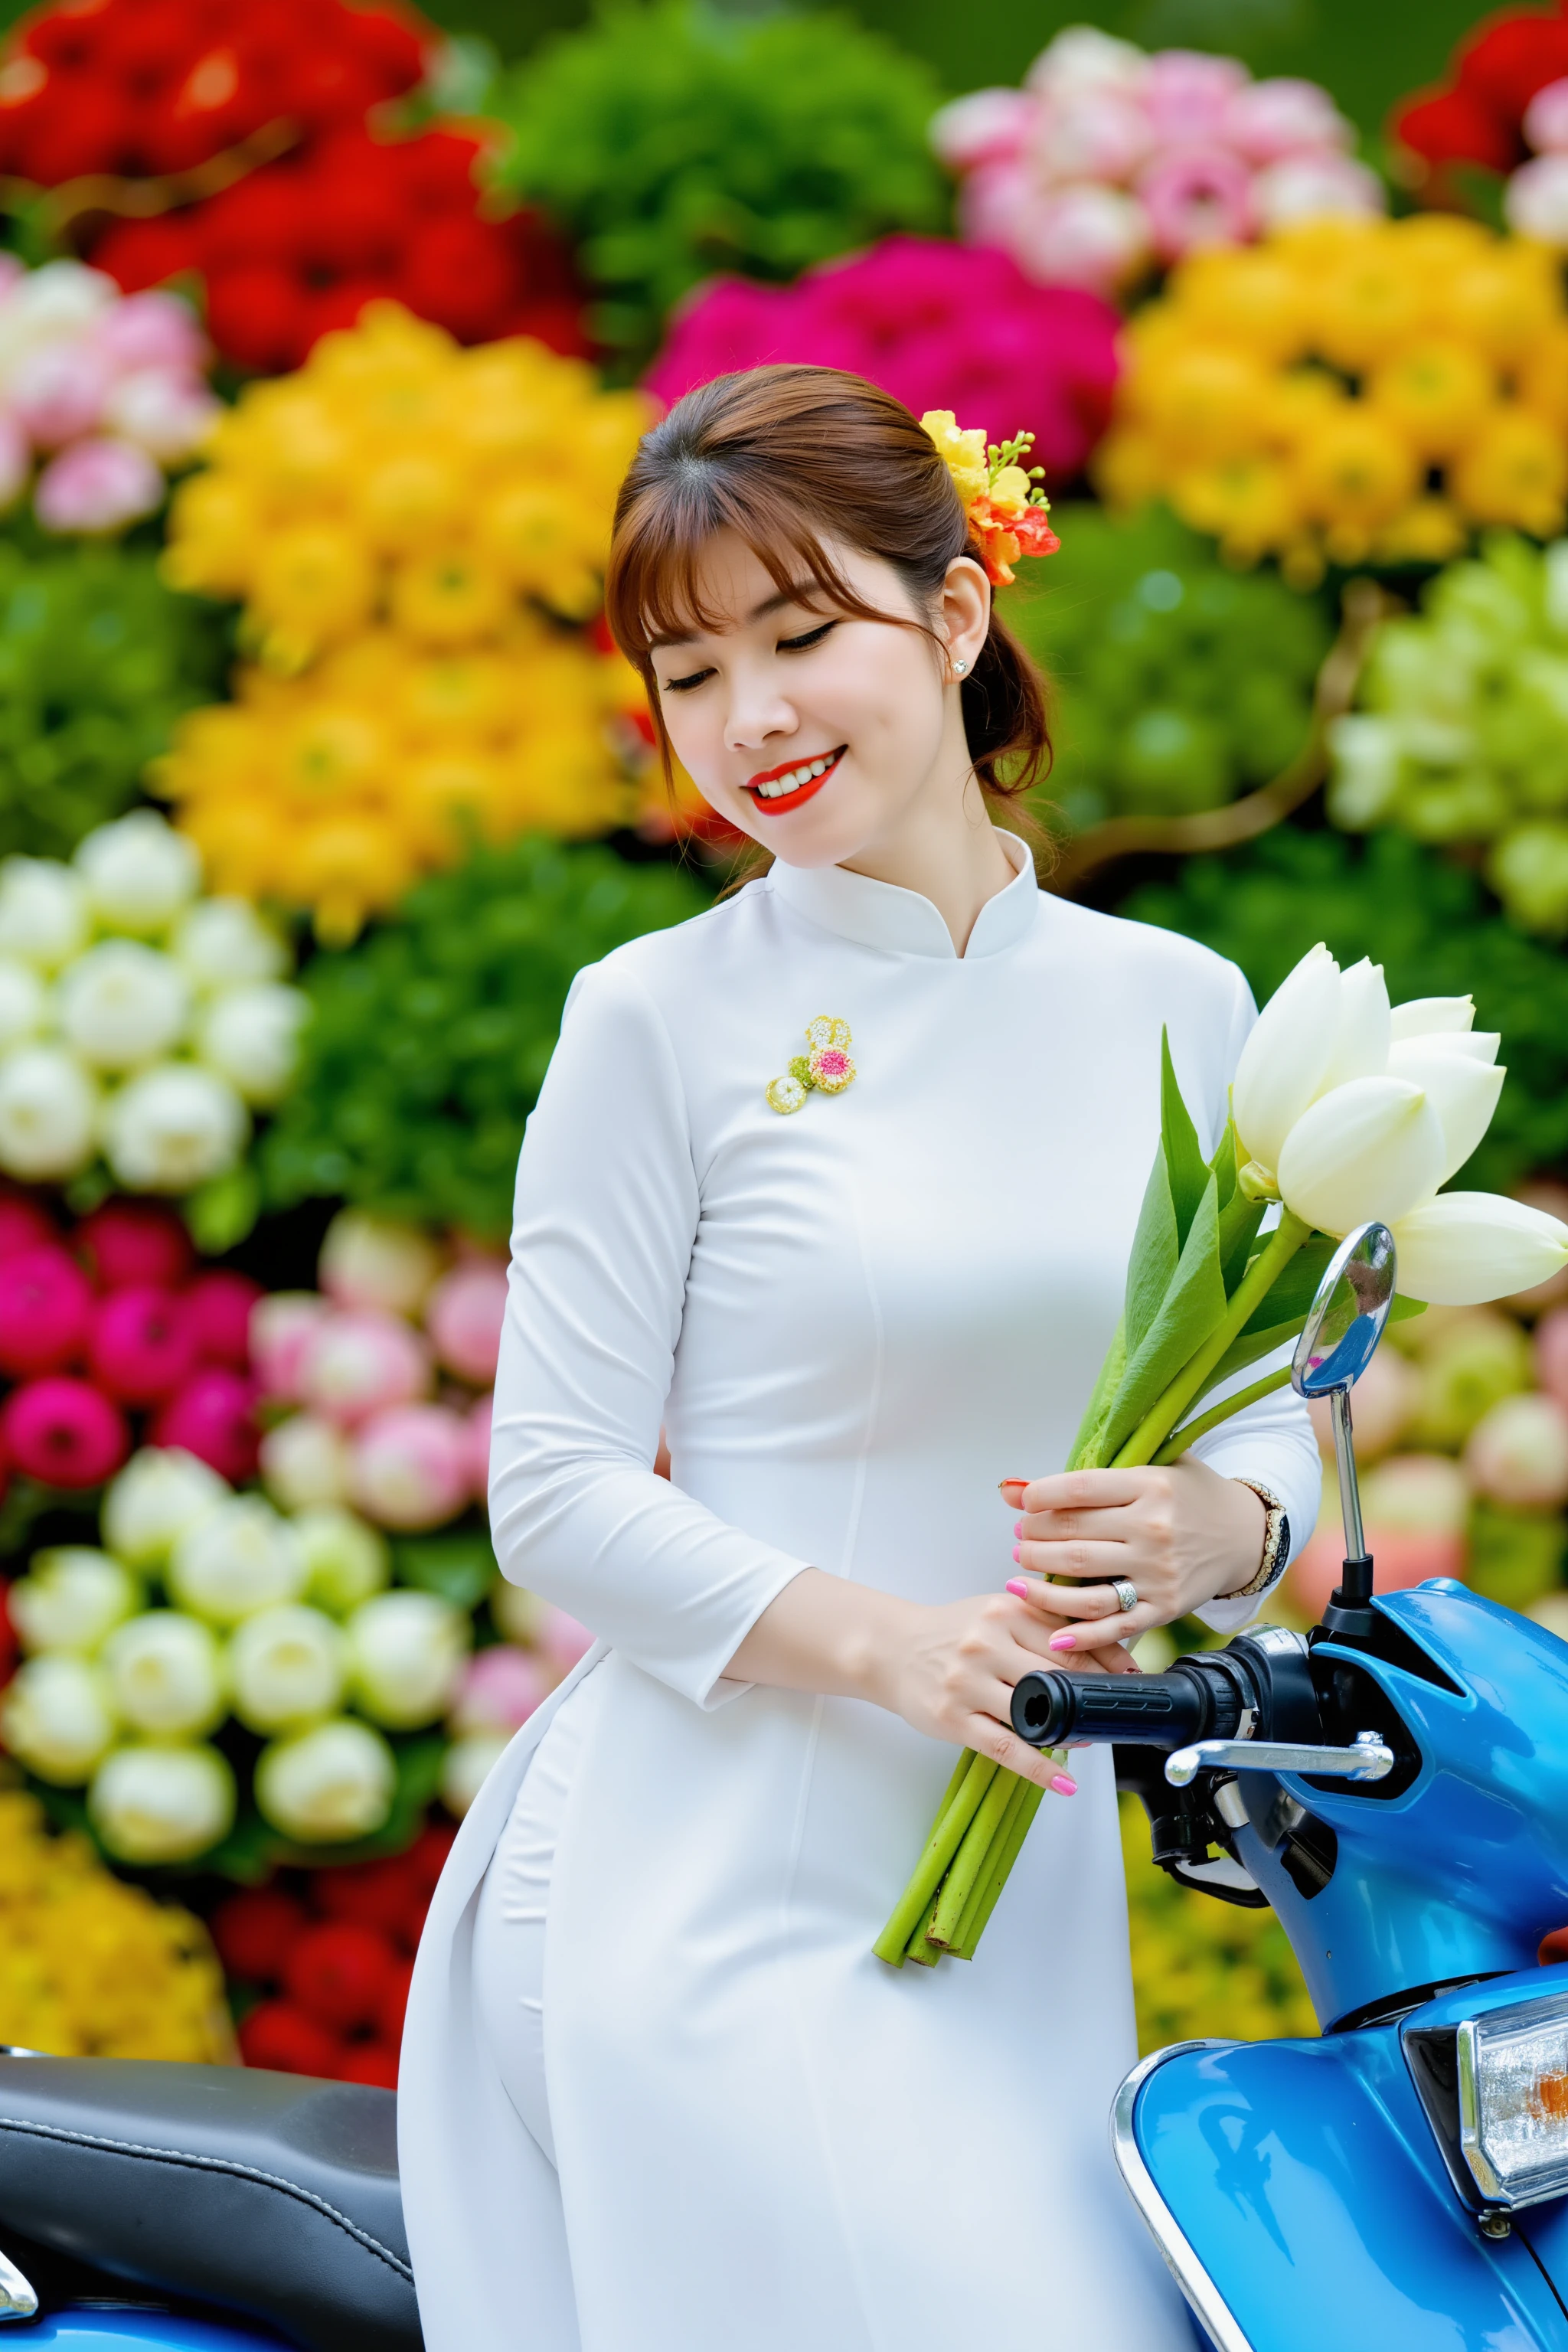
{"x": 1181, "y": 1536}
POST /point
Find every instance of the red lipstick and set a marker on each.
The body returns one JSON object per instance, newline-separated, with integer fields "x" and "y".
{"x": 780, "y": 803}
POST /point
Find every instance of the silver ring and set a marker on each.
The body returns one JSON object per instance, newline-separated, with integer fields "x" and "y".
{"x": 1126, "y": 1594}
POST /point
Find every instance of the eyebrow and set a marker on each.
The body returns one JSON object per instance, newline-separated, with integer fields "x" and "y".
{"x": 798, "y": 593}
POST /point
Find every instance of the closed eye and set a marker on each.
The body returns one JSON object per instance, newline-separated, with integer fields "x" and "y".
{"x": 803, "y": 645}
{"x": 685, "y": 684}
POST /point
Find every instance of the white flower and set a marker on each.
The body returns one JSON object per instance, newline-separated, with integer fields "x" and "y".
{"x": 24, "y": 1002}
{"x": 346, "y": 1560}
{"x": 286, "y": 1668}
{"x": 44, "y": 912}
{"x": 465, "y": 1766}
{"x": 224, "y": 943}
{"x": 1365, "y": 1027}
{"x": 159, "y": 1803}
{"x": 161, "y": 1493}
{"x": 327, "y": 1785}
{"x": 172, "y": 1128}
{"x": 121, "y": 1005}
{"x": 55, "y": 1718}
{"x": 70, "y": 1598}
{"x": 1464, "y": 1248}
{"x": 1285, "y": 1057}
{"x": 165, "y": 1672}
{"x": 60, "y": 299}
{"x": 48, "y": 1114}
{"x": 252, "y": 1036}
{"x": 370, "y": 1262}
{"x": 305, "y": 1462}
{"x": 140, "y": 873}
{"x": 406, "y": 1655}
{"x": 1373, "y": 1148}
{"x": 168, "y": 413}
{"x": 1456, "y": 1074}
{"x": 237, "y": 1559}
{"x": 1367, "y": 750}
{"x": 1435, "y": 1017}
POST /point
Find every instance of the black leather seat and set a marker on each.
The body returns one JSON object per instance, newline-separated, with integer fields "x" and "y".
{"x": 273, "y": 2196}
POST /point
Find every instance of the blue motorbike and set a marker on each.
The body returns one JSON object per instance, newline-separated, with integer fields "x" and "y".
{"x": 1396, "y": 1785}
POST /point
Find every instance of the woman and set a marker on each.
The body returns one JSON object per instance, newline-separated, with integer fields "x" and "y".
{"x": 657, "y": 2094}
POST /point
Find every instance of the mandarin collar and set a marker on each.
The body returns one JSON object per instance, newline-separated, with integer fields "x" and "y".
{"x": 882, "y": 914}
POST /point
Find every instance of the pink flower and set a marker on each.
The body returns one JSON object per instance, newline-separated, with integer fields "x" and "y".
{"x": 63, "y": 1433}
{"x": 463, "y": 1317}
{"x": 561, "y": 1639}
{"x": 280, "y": 1326}
{"x": 409, "y": 1468}
{"x": 212, "y": 1416}
{"x": 56, "y": 392}
{"x": 220, "y": 1305}
{"x": 351, "y": 1365}
{"x": 938, "y": 325}
{"x": 46, "y": 1311}
{"x": 1551, "y": 1354}
{"x": 1535, "y": 201}
{"x": 164, "y": 413}
{"x": 1201, "y": 196}
{"x": 305, "y": 1463}
{"x": 1188, "y": 95}
{"x": 477, "y": 1424}
{"x": 1268, "y": 119}
{"x": 1083, "y": 235}
{"x": 1306, "y": 187}
{"x": 97, "y": 486}
{"x": 500, "y": 1690}
{"x": 1546, "y": 119}
{"x": 1091, "y": 134}
{"x": 156, "y": 330}
{"x": 143, "y": 1345}
{"x": 135, "y": 1242}
{"x": 1518, "y": 1453}
{"x": 985, "y": 125}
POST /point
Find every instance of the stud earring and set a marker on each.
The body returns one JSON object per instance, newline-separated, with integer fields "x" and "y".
{"x": 959, "y": 668}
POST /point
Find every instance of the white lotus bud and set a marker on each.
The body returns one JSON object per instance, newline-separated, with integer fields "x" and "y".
{"x": 1370, "y": 1149}
{"x": 161, "y": 1803}
{"x": 406, "y": 1656}
{"x": 57, "y": 1719}
{"x": 172, "y": 1128}
{"x": 1286, "y": 1054}
{"x": 305, "y": 1463}
{"x": 24, "y": 1002}
{"x": 239, "y": 1558}
{"x": 161, "y": 1494}
{"x": 346, "y": 1560}
{"x": 222, "y": 943}
{"x": 467, "y": 1765}
{"x": 1362, "y": 1042}
{"x": 140, "y": 873}
{"x": 123, "y": 1005}
{"x": 70, "y": 1598}
{"x": 1433, "y": 1016}
{"x": 327, "y": 1785}
{"x": 44, "y": 912}
{"x": 1456, "y": 1073}
{"x": 370, "y": 1262}
{"x": 252, "y": 1036}
{"x": 48, "y": 1115}
{"x": 1464, "y": 1248}
{"x": 286, "y": 1668}
{"x": 165, "y": 1672}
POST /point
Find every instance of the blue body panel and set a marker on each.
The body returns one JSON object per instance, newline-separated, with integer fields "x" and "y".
{"x": 1307, "y": 2179}
{"x": 87, "y": 2330}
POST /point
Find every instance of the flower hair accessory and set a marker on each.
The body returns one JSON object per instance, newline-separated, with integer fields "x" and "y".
{"x": 827, "y": 1069}
{"x": 1007, "y": 512}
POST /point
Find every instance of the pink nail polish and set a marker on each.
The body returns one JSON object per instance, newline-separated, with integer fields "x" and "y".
{"x": 1018, "y": 1526}
{"x": 1018, "y": 1554}
{"x": 1016, "y": 1584}
{"x": 1064, "y": 1786}
{"x": 1061, "y": 1641}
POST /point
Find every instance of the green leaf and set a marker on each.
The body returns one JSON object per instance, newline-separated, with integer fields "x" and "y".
{"x": 1156, "y": 1252}
{"x": 459, "y": 1568}
{"x": 1192, "y": 1310}
{"x": 1224, "y": 1164}
{"x": 1086, "y": 1450}
{"x": 1184, "y": 1158}
{"x": 1239, "y": 1219}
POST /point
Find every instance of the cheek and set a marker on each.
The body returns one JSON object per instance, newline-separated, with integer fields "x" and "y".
{"x": 695, "y": 726}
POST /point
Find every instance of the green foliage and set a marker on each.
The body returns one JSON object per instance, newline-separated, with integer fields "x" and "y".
{"x": 1433, "y": 929}
{"x": 1202, "y": 1968}
{"x": 431, "y": 1035}
{"x": 1179, "y": 684}
{"x": 98, "y": 659}
{"x": 674, "y": 142}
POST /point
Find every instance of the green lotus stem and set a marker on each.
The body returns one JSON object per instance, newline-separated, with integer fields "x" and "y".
{"x": 1162, "y": 1415}
{"x": 1002, "y": 1870}
{"x": 959, "y": 1947}
{"x": 944, "y": 1842}
{"x": 920, "y": 1949}
{"x": 968, "y": 1863}
{"x": 1193, "y": 1430}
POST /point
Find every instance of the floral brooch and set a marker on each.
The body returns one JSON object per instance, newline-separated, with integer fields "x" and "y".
{"x": 827, "y": 1069}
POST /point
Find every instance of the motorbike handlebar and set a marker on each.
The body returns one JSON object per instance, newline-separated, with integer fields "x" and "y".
{"x": 1199, "y": 1698}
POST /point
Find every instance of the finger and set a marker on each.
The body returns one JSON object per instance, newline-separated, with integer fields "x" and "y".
{"x": 1111, "y": 1523}
{"x": 1087, "y": 1563}
{"x": 1124, "y": 1626}
{"x": 1084, "y": 1490}
{"x": 990, "y": 1738}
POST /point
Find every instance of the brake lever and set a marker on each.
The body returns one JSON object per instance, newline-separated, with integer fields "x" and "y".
{"x": 1369, "y": 1759}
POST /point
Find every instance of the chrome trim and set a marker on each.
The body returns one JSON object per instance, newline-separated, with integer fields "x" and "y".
{"x": 1483, "y": 2171}
{"x": 1180, "y": 2258}
{"x": 17, "y": 2299}
{"x": 1368, "y": 1760}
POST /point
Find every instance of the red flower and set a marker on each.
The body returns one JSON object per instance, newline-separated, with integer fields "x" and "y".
{"x": 339, "y": 1973}
{"x": 395, "y": 2003}
{"x": 374, "y": 1894}
{"x": 138, "y": 253}
{"x": 256, "y": 1930}
{"x": 374, "y": 2062}
{"x": 277, "y": 2034}
{"x": 1510, "y": 59}
{"x": 1455, "y": 126}
{"x": 462, "y": 274}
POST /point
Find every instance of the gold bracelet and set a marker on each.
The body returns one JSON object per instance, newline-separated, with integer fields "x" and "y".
{"x": 1276, "y": 1543}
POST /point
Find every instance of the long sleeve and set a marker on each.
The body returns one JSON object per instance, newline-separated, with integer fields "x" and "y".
{"x": 1272, "y": 1442}
{"x": 607, "y": 1208}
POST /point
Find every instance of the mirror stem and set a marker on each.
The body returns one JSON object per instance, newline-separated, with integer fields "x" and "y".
{"x": 1350, "y": 1489}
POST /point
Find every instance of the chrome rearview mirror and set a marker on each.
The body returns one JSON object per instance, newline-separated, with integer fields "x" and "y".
{"x": 1337, "y": 1343}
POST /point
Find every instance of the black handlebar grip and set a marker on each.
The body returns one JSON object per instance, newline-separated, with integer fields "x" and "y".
{"x": 1168, "y": 1710}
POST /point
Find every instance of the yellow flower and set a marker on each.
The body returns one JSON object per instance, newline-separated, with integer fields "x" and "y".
{"x": 1435, "y": 392}
{"x": 1248, "y": 502}
{"x": 457, "y": 597}
{"x": 1515, "y": 471}
{"x": 1543, "y": 376}
{"x": 1431, "y": 532}
{"x": 1504, "y": 300}
{"x": 1248, "y": 296}
{"x": 1205, "y": 402}
{"x": 1009, "y": 493}
{"x": 310, "y": 585}
{"x": 1368, "y": 304}
{"x": 962, "y": 453}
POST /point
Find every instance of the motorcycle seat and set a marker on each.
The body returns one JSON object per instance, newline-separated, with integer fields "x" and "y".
{"x": 270, "y": 2196}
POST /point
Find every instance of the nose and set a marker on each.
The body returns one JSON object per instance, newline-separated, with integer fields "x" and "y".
{"x": 758, "y": 714}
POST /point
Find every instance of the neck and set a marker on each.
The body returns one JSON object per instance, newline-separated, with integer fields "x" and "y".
{"x": 945, "y": 847}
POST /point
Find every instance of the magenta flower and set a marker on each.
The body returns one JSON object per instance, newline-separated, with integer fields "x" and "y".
{"x": 63, "y": 1433}
{"x": 212, "y": 1416}
{"x": 938, "y": 325}
{"x": 143, "y": 1345}
{"x": 45, "y": 1310}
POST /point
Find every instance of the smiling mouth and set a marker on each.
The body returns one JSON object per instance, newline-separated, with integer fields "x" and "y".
{"x": 783, "y": 789}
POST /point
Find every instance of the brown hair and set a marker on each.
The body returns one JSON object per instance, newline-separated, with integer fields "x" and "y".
{"x": 791, "y": 457}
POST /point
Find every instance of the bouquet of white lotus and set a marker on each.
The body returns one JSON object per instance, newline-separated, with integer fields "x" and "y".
{"x": 1343, "y": 1110}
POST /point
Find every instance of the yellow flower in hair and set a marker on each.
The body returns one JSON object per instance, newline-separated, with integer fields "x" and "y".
{"x": 964, "y": 453}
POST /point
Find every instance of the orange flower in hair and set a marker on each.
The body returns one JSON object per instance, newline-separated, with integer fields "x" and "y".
{"x": 1008, "y": 513}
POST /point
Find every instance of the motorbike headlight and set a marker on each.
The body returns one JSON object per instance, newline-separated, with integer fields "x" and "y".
{"x": 1513, "y": 2100}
